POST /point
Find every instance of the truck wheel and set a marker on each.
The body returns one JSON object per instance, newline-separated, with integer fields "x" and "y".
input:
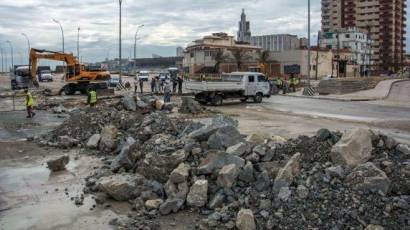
{"x": 217, "y": 100}
{"x": 258, "y": 98}
{"x": 68, "y": 90}
{"x": 243, "y": 100}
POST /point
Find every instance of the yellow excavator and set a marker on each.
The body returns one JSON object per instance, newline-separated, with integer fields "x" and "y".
{"x": 77, "y": 76}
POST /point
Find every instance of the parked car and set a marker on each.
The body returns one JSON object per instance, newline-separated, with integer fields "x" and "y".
{"x": 237, "y": 85}
{"x": 144, "y": 75}
{"x": 114, "y": 81}
{"x": 163, "y": 76}
{"x": 45, "y": 75}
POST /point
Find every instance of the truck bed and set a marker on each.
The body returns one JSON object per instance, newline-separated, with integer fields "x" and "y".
{"x": 210, "y": 86}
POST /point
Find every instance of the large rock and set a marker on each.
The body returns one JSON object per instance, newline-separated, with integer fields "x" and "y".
{"x": 227, "y": 175}
{"x": 153, "y": 204}
{"x": 198, "y": 194}
{"x": 367, "y": 177}
{"x": 224, "y": 138}
{"x": 67, "y": 142}
{"x": 203, "y": 134}
{"x": 128, "y": 102}
{"x": 287, "y": 173}
{"x": 245, "y": 220}
{"x": 222, "y": 120}
{"x": 108, "y": 140}
{"x": 258, "y": 138}
{"x": 119, "y": 186}
{"x": 126, "y": 159}
{"x": 216, "y": 160}
{"x": 180, "y": 174}
{"x": 246, "y": 174}
{"x": 58, "y": 164}
{"x": 238, "y": 149}
{"x": 170, "y": 205}
{"x": 190, "y": 106}
{"x": 93, "y": 141}
{"x": 354, "y": 148}
{"x": 405, "y": 149}
{"x": 176, "y": 191}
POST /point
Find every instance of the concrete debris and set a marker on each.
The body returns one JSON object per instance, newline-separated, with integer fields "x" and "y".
{"x": 58, "y": 164}
{"x": 67, "y": 142}
{"x": 190, "y": 106}
{"x": 162, "y": 165}
{"x": 93, "y": 142}
{"x": 354, "y": 148}
{"x": 198, "y": 194}
{"x": 128, "y": 102}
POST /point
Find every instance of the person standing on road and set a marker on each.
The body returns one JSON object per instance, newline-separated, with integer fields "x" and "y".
{"x": 180, "y": 81}
{"x": 29, "y": 104}
{"x": 167, "y": 92}
{"x": 135, "y": 85}
{"x": 157, "y": 84}
{"x": 141, "y": 81}
{"x": 153, "y": 80}
{"x": 92, "y": 97}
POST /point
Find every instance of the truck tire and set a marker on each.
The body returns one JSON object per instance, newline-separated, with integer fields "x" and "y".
{"x": 69, "y": 90}
{"x": 258, "y": 98}
{"x": 217, "y": 100}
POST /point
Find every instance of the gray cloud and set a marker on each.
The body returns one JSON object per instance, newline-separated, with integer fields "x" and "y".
{"x": 167, "y": 23}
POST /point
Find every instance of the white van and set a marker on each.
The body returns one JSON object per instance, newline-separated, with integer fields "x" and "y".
{"x": 144, "y": 75}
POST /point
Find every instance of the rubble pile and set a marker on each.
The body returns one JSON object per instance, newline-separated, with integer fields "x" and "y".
{"x": 190, "y": 106}
{"x": 358, "y": 180}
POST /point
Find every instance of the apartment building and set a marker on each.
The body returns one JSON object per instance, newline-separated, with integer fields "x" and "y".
{"x": 276, "y": 42}
{"x": 383, "y": 20}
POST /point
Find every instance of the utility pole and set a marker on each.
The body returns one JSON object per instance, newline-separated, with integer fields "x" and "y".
{"x": 120, "y": 48}
{"x": 28, "y": 43}
{"x": 317, "y": 55}
{"x": 12, "y": 54}
{"x": 62, "y": 31}
{"x": 309, "y": 43}
{"x": 2, "y": 57}
{"x": 338, "y": 53}
{"x": 78, "y": 43}
{"x": 135, "y": 44}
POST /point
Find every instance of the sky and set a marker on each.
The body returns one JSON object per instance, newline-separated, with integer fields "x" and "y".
{"x": 167, "y": 24}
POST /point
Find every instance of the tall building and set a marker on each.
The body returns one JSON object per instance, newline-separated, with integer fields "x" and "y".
{"x": 276, "y": 42}
{"x": 180, "y": 51}
{"x": 383, "y": 20}
{"x": 244, "y": 33}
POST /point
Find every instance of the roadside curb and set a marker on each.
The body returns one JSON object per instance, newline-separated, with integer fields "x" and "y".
{"x": 328, "y": 98}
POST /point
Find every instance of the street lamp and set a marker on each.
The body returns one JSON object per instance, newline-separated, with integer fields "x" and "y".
{"x": 78, "y": 43}
{"x": 309, "y": 43}
{"x": 28, "y": 43}
{"x": 62, "y": 31}
{"x": 120, "y": 48}
{"x": 12, "y": 54}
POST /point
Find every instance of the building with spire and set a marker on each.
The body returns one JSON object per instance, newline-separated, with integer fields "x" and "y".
{"x": 244, "y": 33}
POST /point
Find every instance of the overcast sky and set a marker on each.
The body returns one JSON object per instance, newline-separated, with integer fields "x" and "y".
{"x": 168, "y": 23}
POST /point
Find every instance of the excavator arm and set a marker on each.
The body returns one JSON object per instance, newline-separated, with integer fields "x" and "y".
{"x": 36, "y": 54}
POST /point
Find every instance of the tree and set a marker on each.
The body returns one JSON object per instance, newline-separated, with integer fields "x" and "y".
{"x": 220, "y": 58}
{"x": 239, "y": 56}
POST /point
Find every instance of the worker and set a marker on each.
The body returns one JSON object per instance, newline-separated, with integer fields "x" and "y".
{"x": 135, "y": 85}
{"x": 167, "y": 91}
{"x": 293, "y": 82}
{"x": 180, "y": 81}
{"x": 92, "y": 97}
{"x": 29, "y": 104}
{"x": 141, "y": 82}
{"x": 153, "y": 83}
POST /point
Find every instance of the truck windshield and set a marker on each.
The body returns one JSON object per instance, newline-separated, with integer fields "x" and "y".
{"x": 232, "y": 78}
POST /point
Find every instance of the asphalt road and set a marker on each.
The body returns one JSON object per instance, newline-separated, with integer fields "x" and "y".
{"x": 351, "y": 111}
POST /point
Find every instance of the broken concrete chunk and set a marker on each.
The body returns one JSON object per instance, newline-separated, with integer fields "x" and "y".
{"x": 246, "y": 174}
{"x": 190, "y": 106}
{"x": 287, "y": 173}
{"x": 335, "y": 171}
{"x": 119, "y": 186}
{"x": 128, "y": 102}
{"x": 216, "y": 160}
{"x": 170, "y": 205}
{"x": 67, "y": 142}
{"x": 93, "y": 141}
{"x": 180, "y": 174}
{"x": 203, "y": 133}
{"x": 222, "y": 120}
{"x": 245, "y": 220}
{"x": 126, "y": 159}
{"x": 178, "y": 191}
{"x": 238, "y": 149}
{"x": 354, "y": 148}
{"x": 224, "y": 138}
{"x": 258, "y": 138}
{"x": 227, "y": 175}
{"x": 198, "y": 194}
{"x": 58, "y": 164}
{"x": 108, "y": 140}
{"x": 367, "y": 177}
{"x": 153, "y": 204}
{"x": 405, "y": 149}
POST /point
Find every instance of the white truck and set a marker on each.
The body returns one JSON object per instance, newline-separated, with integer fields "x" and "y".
{"x": 237, "y": 85}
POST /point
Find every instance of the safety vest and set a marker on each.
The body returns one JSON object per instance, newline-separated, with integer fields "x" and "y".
{"x": 279, "y": 82}
{"x": 29, "y": 99}
{"x": 93, "y": 97}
